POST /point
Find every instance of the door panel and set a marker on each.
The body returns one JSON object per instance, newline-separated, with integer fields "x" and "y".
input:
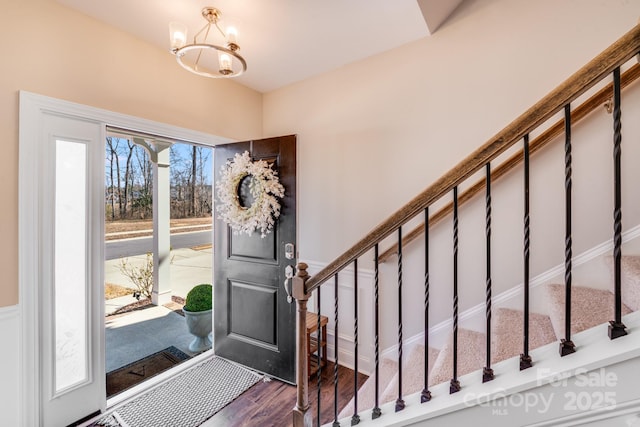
{"x": 260, "y": 300}
{"x": 247, "y": 248}
{"x": 254, "y": 324}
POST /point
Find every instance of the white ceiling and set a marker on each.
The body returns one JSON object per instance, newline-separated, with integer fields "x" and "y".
{"x": 283, "y": 41}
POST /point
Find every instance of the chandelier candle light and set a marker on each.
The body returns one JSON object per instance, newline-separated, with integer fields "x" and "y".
{"x": 204, "y": 56}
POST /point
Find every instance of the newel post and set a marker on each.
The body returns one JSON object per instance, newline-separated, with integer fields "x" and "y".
{"x": 301, "y": 413}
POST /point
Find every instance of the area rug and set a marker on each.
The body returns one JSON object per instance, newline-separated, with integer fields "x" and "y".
{"x": 187, "y": 400}
{"x": 134, "y": 373}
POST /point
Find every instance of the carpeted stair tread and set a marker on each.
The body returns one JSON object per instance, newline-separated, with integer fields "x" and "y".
{"x": 630, "y": 269}
{"x": 471, "y": 356}
{"x": 366, "y": 394}
{"x": 589, "y": 307}
{"x": 412, "y": 374}
{"x": 507, "y": 333}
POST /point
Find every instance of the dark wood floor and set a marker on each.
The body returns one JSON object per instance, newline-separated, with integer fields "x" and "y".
{"x": 271, "y": 403}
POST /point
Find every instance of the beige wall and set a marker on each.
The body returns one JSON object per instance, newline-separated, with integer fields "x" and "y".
{"x": 411, "y": 113}
{"x": 374, "y": 133}
{"x": 54, "y": 51}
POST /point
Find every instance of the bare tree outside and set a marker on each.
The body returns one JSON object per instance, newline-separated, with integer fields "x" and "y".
{"x": 191, "y": 189}
{"x": 140, "y": 276}
{"x": 111, "y": 196}
{"x": 129, "y": 181}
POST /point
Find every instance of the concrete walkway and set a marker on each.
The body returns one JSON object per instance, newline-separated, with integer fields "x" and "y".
{"x": 188, "y": 268}
{"x": 137, "y": 334}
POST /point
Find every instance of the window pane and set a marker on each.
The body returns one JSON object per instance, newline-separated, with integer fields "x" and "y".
{"x": 70, "y": 280}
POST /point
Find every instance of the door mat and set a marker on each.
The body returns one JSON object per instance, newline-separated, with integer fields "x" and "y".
{"x": 188, "y": 399}
{"x": 134, "y": 373}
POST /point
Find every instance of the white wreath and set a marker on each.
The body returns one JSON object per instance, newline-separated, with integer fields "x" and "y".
{"x": 264, "y": 187}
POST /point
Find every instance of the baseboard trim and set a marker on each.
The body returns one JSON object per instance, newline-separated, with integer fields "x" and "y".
{"x": 621, "y": 409}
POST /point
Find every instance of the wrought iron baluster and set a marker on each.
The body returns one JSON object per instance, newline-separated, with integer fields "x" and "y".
{"x": 525, "y": 358}
{"x": 399, "y": 401}
{"x": 376, "y": 294}
{"x": 566, "y": 345}
{"x": 425, "y": 396}
{"x": 454, "y": 386}
{"x": 335, "y": 366}
{"x": 356, "y": 418}
{"x": 616, "y": 327}
{"x": 487, "y": 372}
{"x": 319, "y": 373}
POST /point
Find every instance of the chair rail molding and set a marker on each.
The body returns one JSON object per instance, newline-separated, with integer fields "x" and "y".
{"x": 9, "y": 312}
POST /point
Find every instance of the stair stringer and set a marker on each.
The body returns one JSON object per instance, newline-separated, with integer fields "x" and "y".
{"x": 598, "y": 382}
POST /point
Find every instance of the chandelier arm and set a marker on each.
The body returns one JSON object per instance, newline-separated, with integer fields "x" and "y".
{"x": 220, "y": 29}
{"x": 196, "y": 35}
{"x": 206, "y": 34}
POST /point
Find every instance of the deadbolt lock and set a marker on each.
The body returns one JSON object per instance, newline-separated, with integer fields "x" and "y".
{"x": 289, "y": 251}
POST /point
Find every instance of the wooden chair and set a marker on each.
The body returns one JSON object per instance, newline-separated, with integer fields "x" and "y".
{"x": 316, "y": 342}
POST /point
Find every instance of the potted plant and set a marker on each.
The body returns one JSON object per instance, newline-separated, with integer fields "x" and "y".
{"x": 197, "y": 311}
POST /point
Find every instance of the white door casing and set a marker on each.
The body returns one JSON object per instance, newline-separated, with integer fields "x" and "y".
{"x": 52, "y": 392}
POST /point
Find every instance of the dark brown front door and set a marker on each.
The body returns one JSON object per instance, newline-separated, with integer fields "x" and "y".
{"x": 254, "y": 324}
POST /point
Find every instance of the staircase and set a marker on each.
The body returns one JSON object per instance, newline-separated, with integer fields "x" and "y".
{"x": 576, "y": 321}
{"x": 591, "y": 307}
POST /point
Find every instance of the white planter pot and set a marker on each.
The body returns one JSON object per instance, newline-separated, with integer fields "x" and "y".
{"x": 200, "y": 324}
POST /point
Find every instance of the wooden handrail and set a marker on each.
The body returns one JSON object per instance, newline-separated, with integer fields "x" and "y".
{"x": 584, "y": 79}
{"x": 595, "y": 101}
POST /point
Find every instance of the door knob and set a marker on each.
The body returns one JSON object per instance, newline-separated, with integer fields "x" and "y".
{"x": 288, "y": 275}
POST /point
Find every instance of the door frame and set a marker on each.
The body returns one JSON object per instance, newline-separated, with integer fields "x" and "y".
{"x": 32, "y": 109}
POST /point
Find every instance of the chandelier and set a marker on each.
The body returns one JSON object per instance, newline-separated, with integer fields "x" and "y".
{"x": 204, "y": 56}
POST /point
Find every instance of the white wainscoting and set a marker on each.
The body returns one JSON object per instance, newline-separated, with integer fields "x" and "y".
{"x": 10, "y": 390}
{"x": 346, "y": 322}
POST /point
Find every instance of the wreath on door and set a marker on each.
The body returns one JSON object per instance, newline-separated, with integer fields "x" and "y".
{"x": 264, "y": 187}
